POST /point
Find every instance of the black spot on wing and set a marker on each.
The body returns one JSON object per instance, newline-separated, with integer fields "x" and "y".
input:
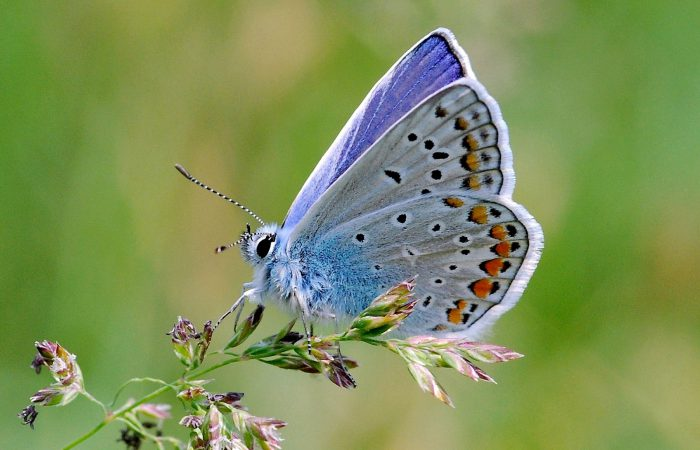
{"x": 393, "y": 175}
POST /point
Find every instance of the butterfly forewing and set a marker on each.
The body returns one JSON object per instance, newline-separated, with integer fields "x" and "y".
{"x": 455, "y": 140}
{"x": 429, "y": 66}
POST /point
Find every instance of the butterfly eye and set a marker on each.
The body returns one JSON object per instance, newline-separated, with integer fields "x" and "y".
{"x": 264, "y": 245}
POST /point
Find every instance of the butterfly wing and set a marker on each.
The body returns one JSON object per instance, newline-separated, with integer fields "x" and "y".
{"x": 473, "y": 257}
{"x": 433, "y": 63}
{"x": 455, "y": 140}
{"x": 432, "y": 198}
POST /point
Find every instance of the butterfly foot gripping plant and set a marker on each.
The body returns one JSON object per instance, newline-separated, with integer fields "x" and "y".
{"x": 219, "y": 420}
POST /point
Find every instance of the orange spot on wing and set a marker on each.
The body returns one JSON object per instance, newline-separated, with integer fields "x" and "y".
{"x": 481, "y": 288}
{"x": 493, "y": 267}
{"x": 461, "y": 123}
{"x": 498, "y": 232}
{"x": 473, "y": 183}
{"x": 470, "y": 143}
{"x": 454, "y": 315}
{"x": 479, "y": 214}
{"x": 454, "y": 202}
{"x": 472, "y": 161}
{"x": 502, "y": 248}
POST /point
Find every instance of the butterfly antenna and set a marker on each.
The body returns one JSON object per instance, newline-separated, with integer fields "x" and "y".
{"x": 231, "y": 244}
{"x": 187, "y": 175}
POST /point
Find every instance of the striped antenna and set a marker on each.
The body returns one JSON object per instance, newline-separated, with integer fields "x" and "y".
{"x": 240, "y": 240}
{"x": 187, "y": 175}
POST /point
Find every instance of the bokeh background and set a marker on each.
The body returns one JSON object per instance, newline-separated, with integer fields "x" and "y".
{"x": 103, "y": 243}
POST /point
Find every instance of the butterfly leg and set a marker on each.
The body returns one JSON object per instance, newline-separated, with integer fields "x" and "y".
{"x": 303, "y": 313}
{"x": 237, "y": 305}
{"x": 238, "y": 316}
{"x": 306, "y": 332}
{"x": 342, "y": 360}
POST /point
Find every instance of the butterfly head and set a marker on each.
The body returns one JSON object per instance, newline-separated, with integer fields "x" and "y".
{"x": 259, "y": 246}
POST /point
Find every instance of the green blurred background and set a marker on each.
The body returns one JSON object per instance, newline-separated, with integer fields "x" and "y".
{"x": 103, "y": 243}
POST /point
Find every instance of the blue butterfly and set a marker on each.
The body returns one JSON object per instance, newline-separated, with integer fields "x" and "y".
{"x": 418, "y": 182}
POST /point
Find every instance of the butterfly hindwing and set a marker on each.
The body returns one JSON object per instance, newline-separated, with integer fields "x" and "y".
{"x": 467, "y": 253}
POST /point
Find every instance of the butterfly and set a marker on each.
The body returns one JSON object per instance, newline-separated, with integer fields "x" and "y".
{"x": 417, "y": 183}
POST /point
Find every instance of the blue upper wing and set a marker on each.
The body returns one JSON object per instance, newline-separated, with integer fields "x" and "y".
{"x": 430, "y": 65}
